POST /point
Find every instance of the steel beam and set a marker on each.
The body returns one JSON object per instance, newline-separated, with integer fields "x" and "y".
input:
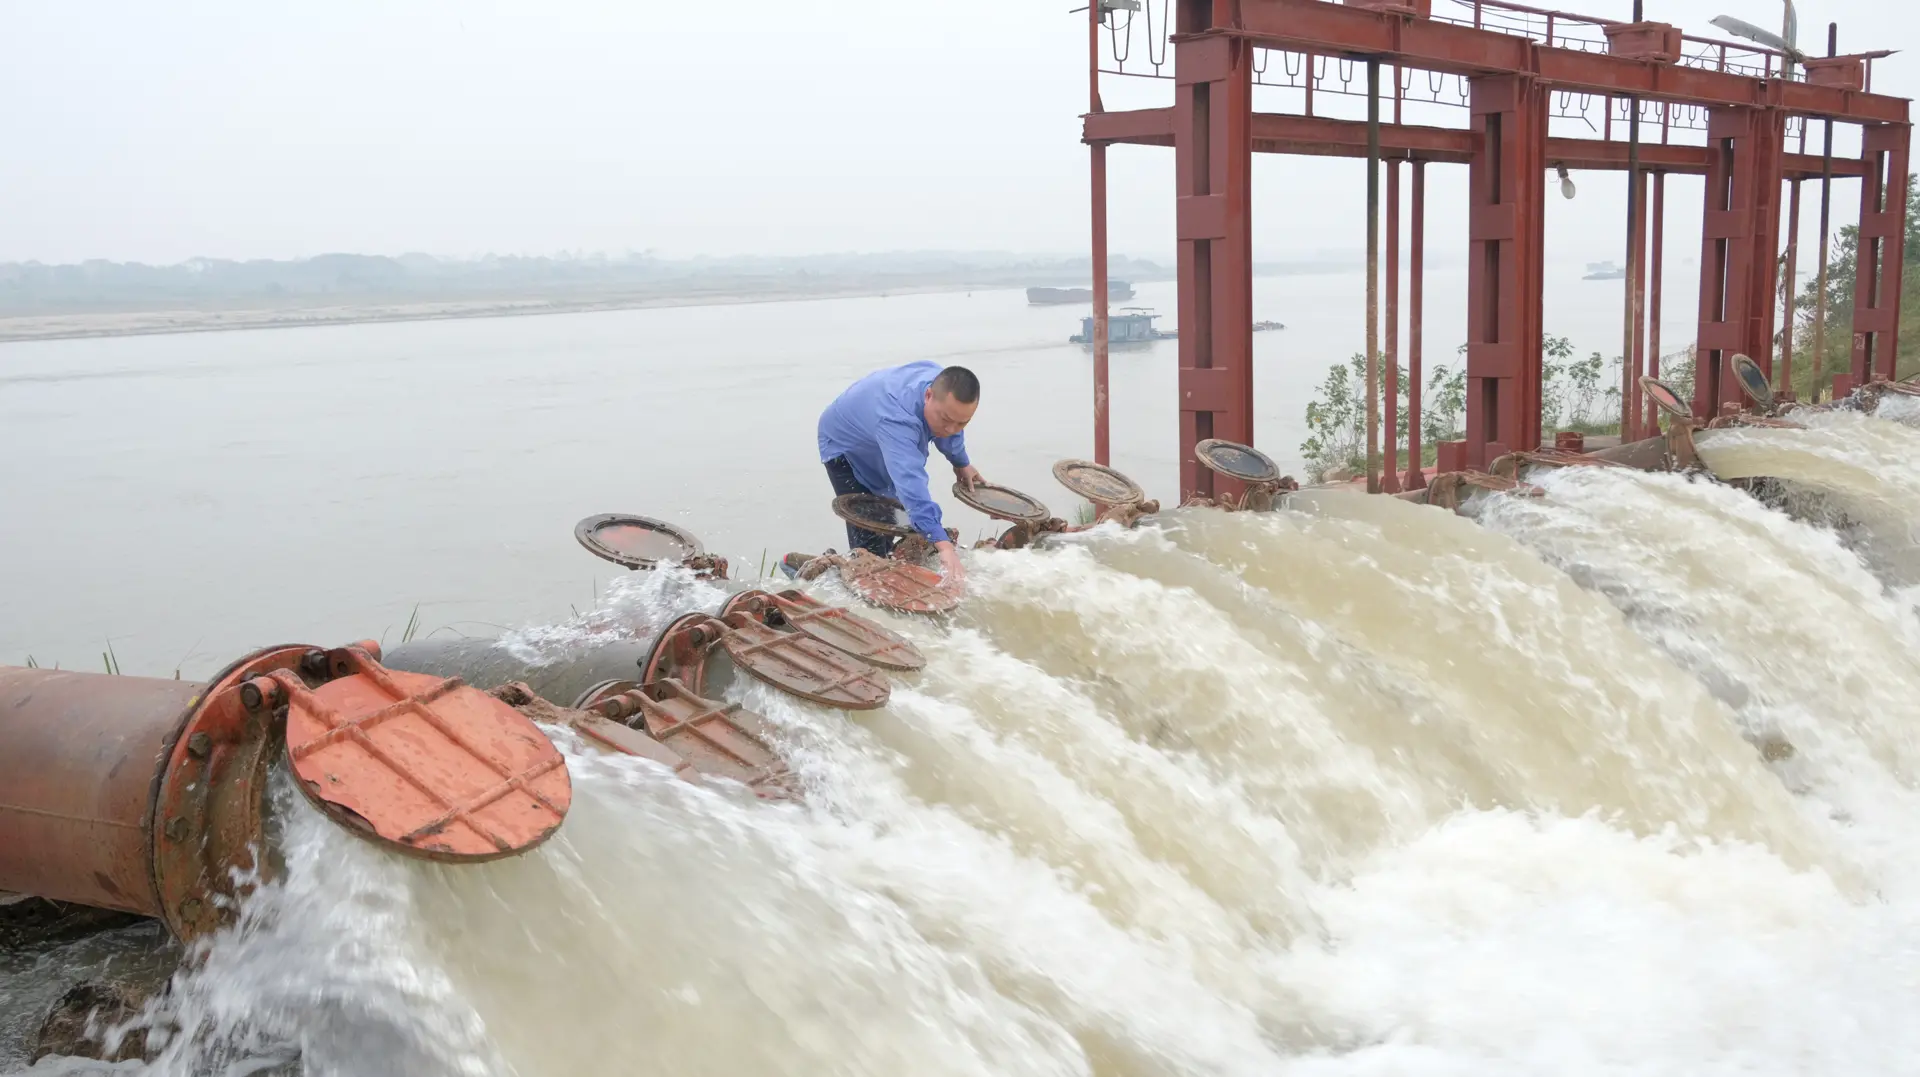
{"x": 1213, "y": 167}
{"x": 1506, "y": 227}
{"x": 1342, "y": 30}
{"x": 1318, "y": 136}
{"x": 1657, "y": 291}
{"x": 1097, "y": 152}
{"x": 1881, "y": 253}
{"x": 1390, "y": 394}
{"x": 1416, "y": 311}
{"x": 1784, "y": 388}
{"x": 1740, "y": 233}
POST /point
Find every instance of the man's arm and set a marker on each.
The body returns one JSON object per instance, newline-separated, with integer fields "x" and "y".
{"x": 954, "y": 449}
{"x": 907, "y": 466}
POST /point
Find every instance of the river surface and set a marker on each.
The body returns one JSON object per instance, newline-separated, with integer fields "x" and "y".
{"x": 183, "y": 499}
{"x": 1617, "y": 780}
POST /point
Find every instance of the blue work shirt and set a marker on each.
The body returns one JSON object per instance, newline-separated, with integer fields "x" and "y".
{"x": 880, "y": 425}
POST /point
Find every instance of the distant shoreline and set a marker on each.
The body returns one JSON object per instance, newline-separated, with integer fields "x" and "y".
{"x": 27, "y": 328}
{"x": 24, "y": 328}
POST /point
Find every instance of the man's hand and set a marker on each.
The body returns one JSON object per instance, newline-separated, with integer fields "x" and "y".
{"x": 967, "y": 476}
{"x": 950, "y": 566}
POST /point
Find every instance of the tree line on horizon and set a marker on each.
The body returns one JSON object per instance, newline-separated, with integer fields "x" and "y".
{"x": 28, "y": 288}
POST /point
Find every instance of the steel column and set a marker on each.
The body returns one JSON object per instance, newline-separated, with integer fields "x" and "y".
{"x": 1656, "y": 291}
{"x": 1098, "y": 161}
{"x": 1416, "y": 257}
{"x": 1785, "y": 387}
{"x": 1505, "y": 231}
{"x": 1390, "y": 393}
{"x": 1826, "y": 227}
{"x": 1638, "y": 282}
{"x": 1373, "y": 276}
{"x": 1739, "y": 235}
{"x": 1881, "y": 252}
{"x": 1213, "y": 162}
{"x": 1630, "y": 310}
{"x": 1102, "y": 449}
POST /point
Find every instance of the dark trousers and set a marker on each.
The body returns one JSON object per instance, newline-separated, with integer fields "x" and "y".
{"x": 840, "y": 473}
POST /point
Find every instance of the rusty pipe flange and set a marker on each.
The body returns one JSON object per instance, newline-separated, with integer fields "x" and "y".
{"x": 1508, "y": 465}
{"x": 209, "y": 803}
{"x": 1681, "y": 453}
{"x": 1450, "y": 489}
{"x": 837, "y": 628}
{"x": 591, "y": 699}
{"x": 681, "y": 650}
{"x": 1868, "y": 396}
{"x": 637, "y": 541}
{"x": 1747, "y": 419}
{"x": 871, "y": 512}
{"x": 1022, "y": 535}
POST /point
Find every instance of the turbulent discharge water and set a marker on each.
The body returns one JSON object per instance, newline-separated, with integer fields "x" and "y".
{"x": 1851, "y": 470}
{"x": 1357, "y": 787}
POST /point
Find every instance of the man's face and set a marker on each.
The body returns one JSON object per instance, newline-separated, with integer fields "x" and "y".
{"x": 947, "y": 416}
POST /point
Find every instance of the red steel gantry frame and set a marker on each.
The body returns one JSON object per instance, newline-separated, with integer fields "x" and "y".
{"x": 1644, "y": 68}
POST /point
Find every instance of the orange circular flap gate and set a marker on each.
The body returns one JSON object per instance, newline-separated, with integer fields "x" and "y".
{"x": 788, "y": 661}
{"x": 1098, "y": 483}
{"x": 802, "y": 666}
{"x": 831, "y": 625}
{"x": 697, "y": 736}
{"x": 429, "y": 767}
{"x": 896, "y": 585}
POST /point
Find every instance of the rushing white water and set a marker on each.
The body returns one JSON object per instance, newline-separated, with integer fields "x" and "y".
{"x": 1847, "y": 468}
{"x": 1357, "y": 787}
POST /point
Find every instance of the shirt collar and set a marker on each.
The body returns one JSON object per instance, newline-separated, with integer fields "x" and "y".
{"x": 918, "y": 402}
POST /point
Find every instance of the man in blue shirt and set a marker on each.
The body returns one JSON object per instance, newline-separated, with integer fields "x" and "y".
{"x": 874, "y": 438}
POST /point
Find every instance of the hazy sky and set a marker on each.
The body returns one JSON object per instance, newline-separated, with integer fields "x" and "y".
{"x": 161, "y": 131}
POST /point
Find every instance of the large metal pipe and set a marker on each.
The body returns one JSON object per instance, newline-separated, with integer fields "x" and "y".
{"x": 487, "y": 664}
{"x": 79, "y": 772}
{"x": 134, "y": 793}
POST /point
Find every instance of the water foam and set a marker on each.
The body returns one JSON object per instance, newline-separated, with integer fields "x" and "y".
{"x": 1356, "y": 788}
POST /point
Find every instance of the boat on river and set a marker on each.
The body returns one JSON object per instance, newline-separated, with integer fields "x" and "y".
{"x": 1134, "y": 325}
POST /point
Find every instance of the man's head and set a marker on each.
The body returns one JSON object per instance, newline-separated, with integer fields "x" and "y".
{"x": 951, "y": 401}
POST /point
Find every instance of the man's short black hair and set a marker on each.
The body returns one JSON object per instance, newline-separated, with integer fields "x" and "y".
{"x": 959, "y": 383}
